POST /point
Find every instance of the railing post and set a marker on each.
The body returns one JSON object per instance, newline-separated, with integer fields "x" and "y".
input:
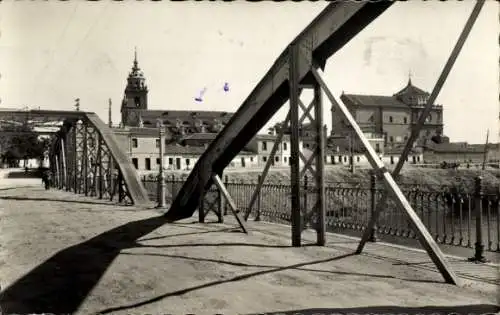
{"x": 478, "y": 208}
{"x": 373, "y": 204}
{"x": 226, "y": 179}
{"x": 161, "y": 177}
{"x": 257, "y": 217}
{"x": 120, "y": 187}
{"x": 201, "y": 205}
{"x": 306, "y": 184}
{"x": 220, "y": 201}
{"x": 174, "y": 187}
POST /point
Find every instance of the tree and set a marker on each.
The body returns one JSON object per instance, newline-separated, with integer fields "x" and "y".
{"x": 21, "y": 142}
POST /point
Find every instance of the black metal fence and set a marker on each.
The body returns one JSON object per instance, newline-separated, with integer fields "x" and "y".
{"x": 452, "y": 217}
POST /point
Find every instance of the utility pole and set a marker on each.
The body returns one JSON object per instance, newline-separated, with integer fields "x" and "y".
{"x": 77, "y": 105}
{"x": 110, "y": 122}
{"x": 161, "y": 177}
{"x": 486, "y": 149}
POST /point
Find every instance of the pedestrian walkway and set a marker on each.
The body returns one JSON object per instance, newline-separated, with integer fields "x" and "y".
{"x": 62, "y": 253}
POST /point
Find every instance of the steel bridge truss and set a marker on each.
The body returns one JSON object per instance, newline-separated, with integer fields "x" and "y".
{"x": 84, "y": 156}
{"x": 82, "y": 162}
{"x": 89, "y": 169}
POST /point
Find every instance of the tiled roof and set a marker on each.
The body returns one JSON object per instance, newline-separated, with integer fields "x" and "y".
{"x": 170, "y": 116}
{"x": 371, "y": 100}
{"x": 410, "y": 89}
{"x": 192, "y": 150}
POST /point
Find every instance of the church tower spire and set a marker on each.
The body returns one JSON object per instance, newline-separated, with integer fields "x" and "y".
{"x": 136, "y": 95}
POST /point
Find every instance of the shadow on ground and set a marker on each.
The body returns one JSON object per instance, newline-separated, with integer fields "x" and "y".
{"x": 23, "y": 174}
{"x": 16, "y": 187}
{"x": 60, "y": 284}
{"x": 427, "y": 310}
{"x": 272, "y": 269}
{"x": 23, "y": 198}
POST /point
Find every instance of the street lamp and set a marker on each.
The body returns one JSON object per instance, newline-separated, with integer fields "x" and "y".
{"x": 161, "y": 177}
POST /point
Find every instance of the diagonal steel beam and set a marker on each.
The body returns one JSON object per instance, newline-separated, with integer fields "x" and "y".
{"x": 338, "y": 23}
{"x": 424, "y": 236}
{"x": 421, "y": 121}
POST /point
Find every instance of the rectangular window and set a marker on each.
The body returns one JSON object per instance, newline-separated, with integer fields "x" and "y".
{"x": 277, "y": 158}
{"x": 284, "y": 146}
{"x": 157, "y": 143}
{"x": 148, "y": 164}
{"x": 170, "y": 161}
{"x": 264, "y": 146}
{"x": 264, "y": 158}
{"x": 187, "y": 161}
{"x": 135, "y": 144}
{"x": 134, "y": 161}
{"x": 158, "y": 161}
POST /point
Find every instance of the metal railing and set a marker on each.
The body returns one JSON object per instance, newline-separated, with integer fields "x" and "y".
{"x": 453, "y": 216}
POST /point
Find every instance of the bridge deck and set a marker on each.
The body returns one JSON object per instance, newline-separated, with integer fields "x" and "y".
{"x": 61, "y": 252}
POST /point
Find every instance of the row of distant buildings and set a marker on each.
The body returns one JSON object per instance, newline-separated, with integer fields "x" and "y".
{"x": 385, "y": 120}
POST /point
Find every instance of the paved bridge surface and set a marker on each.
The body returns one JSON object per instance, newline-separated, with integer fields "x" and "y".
{"x": 63, "y": 253}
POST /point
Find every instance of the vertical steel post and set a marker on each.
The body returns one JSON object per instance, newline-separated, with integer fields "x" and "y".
{"x": 76, "y": 159}
{"x": 85, "y": 161}
{"x": 296, "y": 214}
{"x": 63, "y": 161}
{"x": 57, "y": 174}
{"x": 99, "y": 160}
{"x": 320, "y": 166}
{"x": 373, "y": 203}
{"x": 111, "y": 175}
{"x": 161, "y": 176}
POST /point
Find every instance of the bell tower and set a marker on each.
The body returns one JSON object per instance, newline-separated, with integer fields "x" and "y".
{"x": 136, "y": 95}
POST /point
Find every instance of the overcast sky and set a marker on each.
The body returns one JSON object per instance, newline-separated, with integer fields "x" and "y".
{"x": 53, "y": 52}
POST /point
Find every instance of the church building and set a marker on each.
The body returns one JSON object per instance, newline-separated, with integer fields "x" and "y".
{"x": 391, "y": 118}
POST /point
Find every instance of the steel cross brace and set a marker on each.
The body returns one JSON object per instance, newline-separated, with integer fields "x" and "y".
{"x": 232, "y": 205}
{"x": 301, "y": 215}
{"x": 425, "y": 237}
{"x": 421, "y": 121}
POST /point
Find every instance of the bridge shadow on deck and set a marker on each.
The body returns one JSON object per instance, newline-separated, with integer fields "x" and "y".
{"x": 91, "y": 202}
{"x": 426, "y": 310}
{"x": 61, "y": 283}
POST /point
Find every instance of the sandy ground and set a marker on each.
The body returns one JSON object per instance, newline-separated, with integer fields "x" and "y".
{"x": 61, "y": 253}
